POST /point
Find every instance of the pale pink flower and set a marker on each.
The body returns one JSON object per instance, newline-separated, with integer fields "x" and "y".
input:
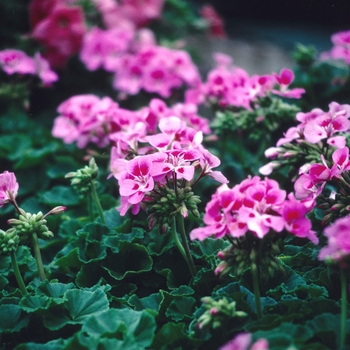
{"x": 137, "y": 180}
{"x": 8, "y": 187}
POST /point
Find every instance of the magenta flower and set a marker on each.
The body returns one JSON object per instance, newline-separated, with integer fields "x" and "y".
{"x": 16, "y": 61}
{"x": 243, "y": 341}
{"x": 338, "y": 235}
{"x": 8, "y": 187}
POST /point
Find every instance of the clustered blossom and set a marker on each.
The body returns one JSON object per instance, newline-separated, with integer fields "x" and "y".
{"x": 341, "y": 48}
{"x": 230, "y": 86}
{"x": 255, "y": 206}
{"x": 305, "y": 142}
{"x": 89, "y": 119}
{"x": 14, "y": 61}
{"x": 137, "y": 62}
{"x": 59, "y": 26}
{"x": 169, "y": 157}
{"x": 338, "y": 248}
{"x": 243, "y": 341}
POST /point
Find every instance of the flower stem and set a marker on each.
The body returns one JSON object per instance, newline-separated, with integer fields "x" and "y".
{"x": 255, "y": 276}
{"x": 186, "y": 248}
{"x": 37, "y": 255}
{"x": 90, "y": 208}
{"x": 17, "y": 273}
{"x": 177, "y": 241}
{"x": 97, "y": 202}
{"x": 344, "y": 303}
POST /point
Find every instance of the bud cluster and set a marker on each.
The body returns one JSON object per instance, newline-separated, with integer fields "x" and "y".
{"x": 9, "y": 241}
{"x": 218, "y": 312}
{"x": 239, "y": 256}
{"x": 27, "y": 224}
{"x": 337, "y": 204}
{"x": 82, "y": 178}
{"x": 164, "y": 203}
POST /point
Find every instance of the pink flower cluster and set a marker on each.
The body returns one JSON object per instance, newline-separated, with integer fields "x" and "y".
{"x": 310, "y": 184}
{"x": 341, "y": 48}
{"x": 8, "y": 187}
{"x": 338, "y": 236}
{"x": 137, "y": 61}
{"x": 230, "y": 86}
{"x": 15, "y": 61}
{"x": 58, "y": 26}
{"x": 89, "y": 119}
{"x": 129, "y": 12}
{"x": 257, "y": 206}
{"x": 243, "y": 341}
{"x": 171, "y": 155}
{"x": 314, "y": 127}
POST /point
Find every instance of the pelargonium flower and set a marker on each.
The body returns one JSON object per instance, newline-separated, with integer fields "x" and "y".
{"x": 243, "y": 341}
{"x": 8, "y": 187}
{"x": 338, "y": 235}
{"x": 255, "y": 205}
{"x": 341, "y": 48}
{"x": 61, "y": 32}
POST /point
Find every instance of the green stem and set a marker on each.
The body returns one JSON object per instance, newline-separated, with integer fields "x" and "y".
{"x": 17, "y": 273}
{"x": 255, "y": 276}
{"x": 344, "y": 304}
{"x": 177, "y": 241}
{"x": 97, "y": 202}
{"x": 37, "y": 255}
{"x": 182, "y": 231}
{"x": 90, "y": 208}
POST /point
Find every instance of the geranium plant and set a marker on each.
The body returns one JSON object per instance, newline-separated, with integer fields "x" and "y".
{"x": 145, "y": 205}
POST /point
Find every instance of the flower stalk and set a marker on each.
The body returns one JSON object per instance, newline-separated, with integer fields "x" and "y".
{"x": 37, "y": 255}
{"x": 17, "y": 273}
{"x": 344, "y": 305}
{"x": 256, "y": 287}
{"x": 186, "y": 248}
{"x": 97, "y": 202}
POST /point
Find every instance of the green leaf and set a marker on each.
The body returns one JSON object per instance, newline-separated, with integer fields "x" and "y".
{"x": 57, "y": 344}
{"x": 62, "y": 165}
{"x": 132, "y": 259}
{"x": 12, "y": 318}
{"x": 81, "y": 303}
{"x": 68, "y": 229}
{"x": 180, "y": 309}
{"x": 131, "y": 329}
{"x": 60, "y": 195}
{"x": 32, "y": 157}
{"x": 53, "y": 289}
{"x": 34, "y": 303}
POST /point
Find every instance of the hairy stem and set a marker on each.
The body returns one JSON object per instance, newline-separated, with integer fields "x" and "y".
{"x": 37, "y": 256}
{"x": 255, "y": 276}
{"x": 97, "y": 202}
{"x": 17, "y": 273}
{"x": 182, "y": 231}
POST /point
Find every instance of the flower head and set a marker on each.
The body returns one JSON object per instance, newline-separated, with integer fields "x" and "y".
{"x": 8, "y": 187}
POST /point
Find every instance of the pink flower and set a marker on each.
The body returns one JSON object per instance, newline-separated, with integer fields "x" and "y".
{"x": 16, "y": 61}
{"x": 137, "y": 179}
{"x": 243, "y": 341}
{"x": 338, "y": 240}
{"x": 8, "y": 187}
{"x": 61, "y": 32}
{"x": 216, "y": 24}
{"x": 284, "y": 79}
